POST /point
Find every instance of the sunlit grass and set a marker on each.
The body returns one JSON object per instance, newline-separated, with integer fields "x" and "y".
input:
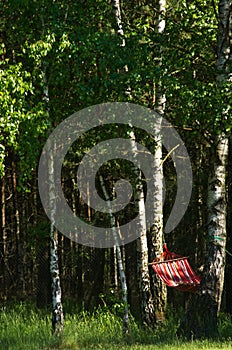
{"x": 23, "y": 327}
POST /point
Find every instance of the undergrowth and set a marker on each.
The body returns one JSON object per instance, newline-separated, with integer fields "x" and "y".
{"x": 23, "y": 327}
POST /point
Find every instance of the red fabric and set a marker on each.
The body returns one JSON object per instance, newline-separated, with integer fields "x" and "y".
{"x": 175, "y": 271}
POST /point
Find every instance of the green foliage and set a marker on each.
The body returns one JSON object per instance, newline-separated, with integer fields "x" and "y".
{"x": 24, "y": 327}
{"x": 71, "y": 52}
{"x": 22, "y": 121}
{"x": 193, "y": 96}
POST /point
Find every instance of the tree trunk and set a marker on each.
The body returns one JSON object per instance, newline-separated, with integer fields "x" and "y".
{"x": 201, "y": 319}
{"x": 217, "y": 207}
{"x": 156, "y": 232}
{"x": 144, "y": 282}
{"x": 113, "y": 268}
{"x": 57, "y": 309}
{"x": 224, "y": 42}
{"x": 146, "y": 303}
{"x": 160, "y": 98}
{"x": 228, "y": 279}
{"x": 118, "y": 17}
{"x": 159, "y": 289}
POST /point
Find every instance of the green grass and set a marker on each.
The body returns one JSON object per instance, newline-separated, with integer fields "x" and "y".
{"x": 22, "y": 327}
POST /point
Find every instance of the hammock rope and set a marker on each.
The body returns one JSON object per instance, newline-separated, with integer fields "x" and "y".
{"x": 175, "y": 271}
{"x": 217, "y": 238}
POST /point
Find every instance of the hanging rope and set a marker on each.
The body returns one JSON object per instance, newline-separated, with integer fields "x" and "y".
{"x": 217, "y": 238}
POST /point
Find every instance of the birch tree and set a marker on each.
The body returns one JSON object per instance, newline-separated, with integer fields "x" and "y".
{"x": 201, "y": 319}
{"x": 57, "y": 309}
{"x": 146, "y": 302}
{"x": 145, "y": 295}
{"x": 156, "y": 231}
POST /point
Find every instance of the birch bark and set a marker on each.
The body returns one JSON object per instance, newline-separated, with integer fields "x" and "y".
{"x": 156, "y": 231}
{"x": 201, "y": 319}
{"x": 146, "y": 302}
{"x": 144, "y": 282}
{"x": 57, "y": 309}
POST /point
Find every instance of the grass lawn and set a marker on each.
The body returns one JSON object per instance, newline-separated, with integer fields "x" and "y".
{"x": 22, "y": 327}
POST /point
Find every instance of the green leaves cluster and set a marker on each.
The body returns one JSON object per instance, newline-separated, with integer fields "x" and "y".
{"x": 59, "y": 57}
{"x": 19, "y": 116}
{"x": 194, "y": 98}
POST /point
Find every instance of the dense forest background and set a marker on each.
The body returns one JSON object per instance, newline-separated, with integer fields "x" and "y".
{"x": 58, "y": 57}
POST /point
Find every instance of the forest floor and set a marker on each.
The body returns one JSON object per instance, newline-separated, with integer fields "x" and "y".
{"x": 22, "y": 327}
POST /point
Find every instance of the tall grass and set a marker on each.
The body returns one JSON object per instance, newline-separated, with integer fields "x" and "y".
{"x": 23, "y": 327}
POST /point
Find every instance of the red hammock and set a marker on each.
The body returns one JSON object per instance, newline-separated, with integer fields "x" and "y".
{"x": 174, "y": 270}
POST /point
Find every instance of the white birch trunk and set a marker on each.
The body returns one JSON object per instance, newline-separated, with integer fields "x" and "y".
{"x": 118, "y": 17}
{"x": 146, "y": 302}
{"x": 147, "y": 310}
{"x": 156, "y": 231}
{"x": 57, "y": 309}
{"x": 214, "y": 279}
{"x": 160, "y": 95}
{"x": 217, "y": 206}
{"x": 119, "y": 259}
{"x": 202, "y": 317}
{"x": 224, "y": 57}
